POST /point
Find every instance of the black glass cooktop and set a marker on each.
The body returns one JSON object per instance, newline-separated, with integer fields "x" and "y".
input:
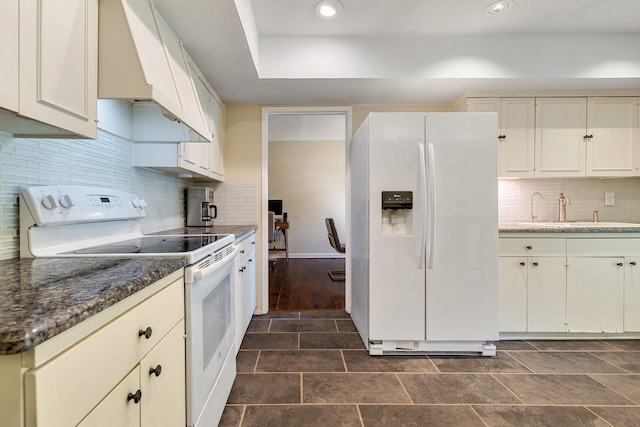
{"x": 152, "y": 245}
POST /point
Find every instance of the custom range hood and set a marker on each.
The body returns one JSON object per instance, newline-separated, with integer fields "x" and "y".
{"x": 140, "y": 59}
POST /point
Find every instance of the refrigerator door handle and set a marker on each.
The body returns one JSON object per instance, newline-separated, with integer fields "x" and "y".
{"x": 423, "y": 207}
{"x": 431, "y": 211}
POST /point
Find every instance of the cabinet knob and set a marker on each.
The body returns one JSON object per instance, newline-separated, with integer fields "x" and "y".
{"x": 535, "y": 264}
{"x": 632, "y": 263}
{"x": 146, "y": 333}
{"x": 529, "y": 247}
{"x": 135, "y": 397}
{"x": 157, "y": 371}
{"x": 242, "y": 251}
{"x": 250, "y": 259}
{"x": 522, "y": 263}
{"x": 619, "y": 264}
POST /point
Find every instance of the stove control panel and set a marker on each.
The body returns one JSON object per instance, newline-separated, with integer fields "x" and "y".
{"x": 70, "y": 204}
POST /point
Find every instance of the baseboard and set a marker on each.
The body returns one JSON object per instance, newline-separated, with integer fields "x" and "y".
{"x": 308, "y": 255}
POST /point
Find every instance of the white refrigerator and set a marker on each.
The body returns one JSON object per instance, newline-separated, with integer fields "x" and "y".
{"x": 424, "y": 233}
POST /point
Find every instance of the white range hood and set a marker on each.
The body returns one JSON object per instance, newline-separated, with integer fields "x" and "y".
{"x": 141, "y": 60}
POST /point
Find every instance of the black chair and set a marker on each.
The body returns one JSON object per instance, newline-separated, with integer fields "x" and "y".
{"x": 334, "y": 241}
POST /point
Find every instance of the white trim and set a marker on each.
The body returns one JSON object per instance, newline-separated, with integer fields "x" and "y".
{"x": 263, "y": 302}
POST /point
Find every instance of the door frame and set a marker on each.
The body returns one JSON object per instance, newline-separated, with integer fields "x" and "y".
{"x": 263, "y": 303}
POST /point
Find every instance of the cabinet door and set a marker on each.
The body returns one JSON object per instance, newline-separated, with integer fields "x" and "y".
{"x": 162, "y": 381}
{"x": 116, "y": 408}
{"x": 217, "y": 146}
{"x": 195, "y": 157}
{"x": 9, "y": 53}
{"x": 249, "y": 289}
{"x": 546, "y": 294}
{"x": 561, "y": 125}
{"x": 512, "y": 283}
{"x": 612, "y": 144}
{"x": 632, "y": 294}
{"x": 517, "y": 124}
{"x": 595, "y": 294}
{"x": 59, "y": 63}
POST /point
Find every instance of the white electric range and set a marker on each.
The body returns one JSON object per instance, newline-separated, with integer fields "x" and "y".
{"x": 84, "y": 221}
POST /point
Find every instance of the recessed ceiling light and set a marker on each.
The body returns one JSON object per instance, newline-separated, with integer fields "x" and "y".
{"x": 498, "y": 7}
{"x": 328, "y": 9}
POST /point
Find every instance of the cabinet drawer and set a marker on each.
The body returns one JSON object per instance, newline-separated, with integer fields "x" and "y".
{"x": 531, "y": 247}
{"x": 246, "y": 245}
{"x": 603, "y": 247}
{"x": 65, "y": 389}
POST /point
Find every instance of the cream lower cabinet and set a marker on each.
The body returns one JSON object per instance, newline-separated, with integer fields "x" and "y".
{"x": 147, "y": 396}
{"x": 532, "y": 289}
{"x": 632, "y": 294}
{"x": 595, "y": 294}
{"x": 109, "y": 377}
{"x": 245, "y": 281}
{"x": 595, "y": 284}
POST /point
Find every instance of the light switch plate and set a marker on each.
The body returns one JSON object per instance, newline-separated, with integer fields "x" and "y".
{"x": 609, "y": 198}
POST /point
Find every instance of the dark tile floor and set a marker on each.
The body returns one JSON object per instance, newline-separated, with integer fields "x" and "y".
{"x": 311, "y": 369}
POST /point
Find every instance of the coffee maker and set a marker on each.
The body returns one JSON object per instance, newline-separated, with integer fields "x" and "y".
{"x": 200, "y": 208}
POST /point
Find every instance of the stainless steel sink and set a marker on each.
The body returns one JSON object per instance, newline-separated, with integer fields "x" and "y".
{"x": 579, "y": 224}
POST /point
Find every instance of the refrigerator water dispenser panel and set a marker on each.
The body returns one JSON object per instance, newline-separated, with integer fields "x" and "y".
{"x": 397, "y": 213}
{"x": 397, "y": 200}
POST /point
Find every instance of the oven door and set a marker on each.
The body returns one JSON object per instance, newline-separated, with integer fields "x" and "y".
{"x": 209, "y": 289}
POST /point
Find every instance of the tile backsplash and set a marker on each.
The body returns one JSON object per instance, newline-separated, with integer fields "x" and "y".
{"x": 105, "y": 162}
{"x": 586, "y": 194}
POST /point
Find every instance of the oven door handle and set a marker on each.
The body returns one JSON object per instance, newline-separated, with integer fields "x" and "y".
{"x": 201, "y": 273}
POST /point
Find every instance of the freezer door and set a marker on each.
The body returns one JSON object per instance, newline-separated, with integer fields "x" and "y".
{"x": 396, "y": 266}
{"x": 462, "y": 273}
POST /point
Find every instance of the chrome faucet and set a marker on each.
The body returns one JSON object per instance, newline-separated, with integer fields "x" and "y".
{"x": 563, "y": 201}
{"x": 533, "y": 216}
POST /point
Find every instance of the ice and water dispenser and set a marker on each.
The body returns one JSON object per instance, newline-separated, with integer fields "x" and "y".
{"x": 397, "y": 213}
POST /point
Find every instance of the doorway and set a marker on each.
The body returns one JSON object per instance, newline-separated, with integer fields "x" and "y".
{"x": 298, "y": 122}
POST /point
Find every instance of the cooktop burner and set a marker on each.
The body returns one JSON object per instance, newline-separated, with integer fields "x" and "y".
{"x": 153, "y": 245}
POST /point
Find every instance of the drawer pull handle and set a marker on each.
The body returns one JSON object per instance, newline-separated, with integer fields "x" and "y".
{"x": 535, "y": 264}
{"x": 619, "y": 264}
{"x": 157, "y": 371}
{"x": 250, "y": 259}
{"x": 529, "y": 247}
{"x": 632, "y": 263}
{"x": 253, "y": 243}
{"x": 146, "y": 333}
{"x": 242, "y": 251}
{"x": 135, "y": 397}
{"x": 522, "y": 263}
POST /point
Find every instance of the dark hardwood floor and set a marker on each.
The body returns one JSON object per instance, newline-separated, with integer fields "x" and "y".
{"x": 304, "y": 284}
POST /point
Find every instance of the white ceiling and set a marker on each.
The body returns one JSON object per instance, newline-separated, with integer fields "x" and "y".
{"x": 406, "y": 51}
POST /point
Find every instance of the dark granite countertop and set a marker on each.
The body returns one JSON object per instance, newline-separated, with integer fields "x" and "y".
{"x": 40, "y": 298}
{"x": 569, "y": 227}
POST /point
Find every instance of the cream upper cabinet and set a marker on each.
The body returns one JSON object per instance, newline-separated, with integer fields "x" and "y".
{"x": 515, "y": 134}
{"x": 561, "y": 125}
{"x": 217, "y": 146}
{"x": 50, "y": 67}
{"x": 612, "y": 144}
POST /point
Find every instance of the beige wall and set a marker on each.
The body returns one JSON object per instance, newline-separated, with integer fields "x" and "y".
{"x": 309, "y": 176}
{"x": 360, "y": 111}
{"x": 243, "y": 153}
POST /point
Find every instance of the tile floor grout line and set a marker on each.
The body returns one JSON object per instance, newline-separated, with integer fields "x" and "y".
{"x": 599, "y": 417}
{"x": 625, "y": 371}
{"x": 508, "y": 389}
{"x": 637, "y": 403}
{"x": 472, "y": 407}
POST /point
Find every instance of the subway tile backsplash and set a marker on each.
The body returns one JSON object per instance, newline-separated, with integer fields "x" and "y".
{"x": 236, "y": 202}
{"x": 105, "y": 162}
{"x": 586, "y": 194}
